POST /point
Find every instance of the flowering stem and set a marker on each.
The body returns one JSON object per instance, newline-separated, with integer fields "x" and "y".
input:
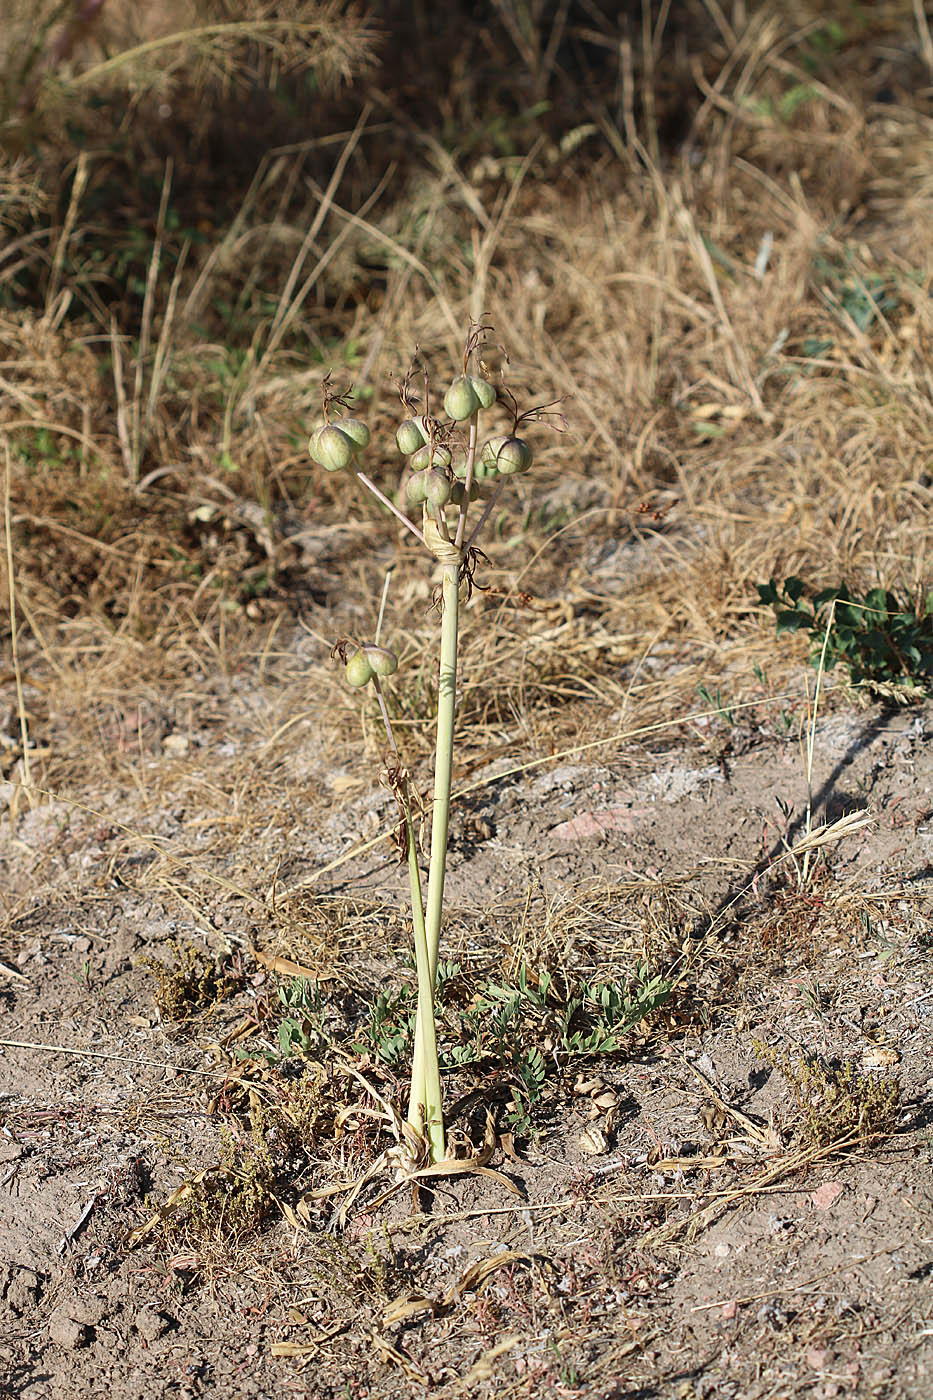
{"x": 444, "y": 752}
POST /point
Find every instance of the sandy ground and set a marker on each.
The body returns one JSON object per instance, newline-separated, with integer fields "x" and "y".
{"x": 678, "y": 1236}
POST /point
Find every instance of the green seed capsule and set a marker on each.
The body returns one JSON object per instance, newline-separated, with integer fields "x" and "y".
{"x": 312, "y": 444}
{"x": 508, "y": 454}
{"x": 356, "y": 430}
{"x": 359, "y": 672}
{"x": 491, "y": 449}
{"x": 409, "y": 436}
{"x": 382, "y": 661}
{"x": 437, "y": 487}
{"x": 415, "y": 490}
{"x": 484, "y": 391}
{"x": 461, "y": 400}
{"x": 456, "y": 492}
{"x": 334, "y": 450}
{"x": 485, "y": 470}
{"x": 518, "y": 454}
{"x": 428, "y": 456}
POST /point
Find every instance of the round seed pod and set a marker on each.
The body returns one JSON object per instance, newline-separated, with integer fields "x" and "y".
{"x": 456, "y": 493}
{"x": 461, "y": 400}
{"x": 436, "y": 487}
{"x": 312, "y": 443}
{"x": 356, "y": 430}
{"x": 508, "y": 454}
{"x": 428, "y": 456}
{"x": 490, "y": 450}
{"x": 415, "y": 489}
{"x": 409, "y": 436}
{"x": 484, "y": 391}
{"x": 333, "y": 449}
{"x": 517, "y": 455}
{"x": 359, "y": 671}
{"x": 382, "y": 661}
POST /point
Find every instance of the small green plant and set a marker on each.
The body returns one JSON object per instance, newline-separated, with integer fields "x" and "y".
{"x": 390, "y": 1030}
{"x": 301, "y": 1030}
{"x": 524, "y": 1030}
{"x": 885, "y": 642}
{"x": 451, "y": 467}
{"x": 717, "y": 703}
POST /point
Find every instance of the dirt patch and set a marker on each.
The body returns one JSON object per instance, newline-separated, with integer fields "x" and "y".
{"x": 671, "y": 1219}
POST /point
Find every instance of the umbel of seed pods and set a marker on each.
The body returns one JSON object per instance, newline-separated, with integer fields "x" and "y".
{"x": 434, "y": 480}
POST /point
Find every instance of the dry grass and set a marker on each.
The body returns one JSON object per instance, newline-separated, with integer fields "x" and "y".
{"x": 736, "y": 410}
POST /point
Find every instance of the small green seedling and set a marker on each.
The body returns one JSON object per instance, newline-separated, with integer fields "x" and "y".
{"x": 451, "y": 467}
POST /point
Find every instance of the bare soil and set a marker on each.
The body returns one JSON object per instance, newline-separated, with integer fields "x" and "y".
{"x": 689, "y": 1239}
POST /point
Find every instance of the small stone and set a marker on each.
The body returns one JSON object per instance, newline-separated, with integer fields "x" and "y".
{"x": 67, "y": 1333}
{"x": 152, "y": 1325}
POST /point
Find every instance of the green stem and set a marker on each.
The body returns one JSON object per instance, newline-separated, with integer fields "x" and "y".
{"x": 444, "y": 754}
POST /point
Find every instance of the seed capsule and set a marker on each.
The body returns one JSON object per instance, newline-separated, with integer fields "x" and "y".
{"x": 437, "y": 487}
{"x": 484, "y": 391}
{"x": 382, "y": 661}
{"x": 359, "y": 672}
{"x": 356, "y": 430}
{"x": 312, "y": 443}
{"x": 430, "y": 456}
{"x": 461, "y": 400}
{"x": 415, "y": 490}
{"x": 409, "y": 436}
{"x": 509, "y": 455}
{"x": 456, "y": 492}
{"x": 333, "y": 449}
